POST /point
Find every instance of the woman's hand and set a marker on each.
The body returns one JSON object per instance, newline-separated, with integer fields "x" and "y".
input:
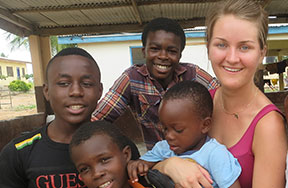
{"x": 185, "y": 173}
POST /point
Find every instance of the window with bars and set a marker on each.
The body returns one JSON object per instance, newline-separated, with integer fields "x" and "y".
{"x": 23, "y": 72}
{"x": 10, "y": 71}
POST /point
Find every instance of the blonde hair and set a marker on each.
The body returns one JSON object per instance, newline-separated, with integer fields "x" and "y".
{"x": 244, "y": 9}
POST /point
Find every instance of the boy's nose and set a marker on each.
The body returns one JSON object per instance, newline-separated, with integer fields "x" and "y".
{"x": 98, "y": 173}
{"x": 163, "y": 54}
{"x": 76, "y": 90}
{"x": 169, "y": 136}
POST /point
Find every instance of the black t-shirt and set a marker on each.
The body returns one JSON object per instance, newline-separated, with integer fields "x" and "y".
{"x": 34, "y": 160}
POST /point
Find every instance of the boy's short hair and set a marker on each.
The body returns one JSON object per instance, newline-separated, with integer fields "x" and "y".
{"x": 71, "y": 51}
{"x": 194, "y": 92}
{"x": 89, "y": 129}
{"x": 167, "y": 25}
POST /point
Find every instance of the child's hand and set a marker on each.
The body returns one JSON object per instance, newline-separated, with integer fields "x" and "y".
{"x": 137, "y": 167}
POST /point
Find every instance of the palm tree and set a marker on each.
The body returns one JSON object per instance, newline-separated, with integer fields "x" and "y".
{"x": 55, "y": 47}
{"x": 17, "y": 42}
{"x": 3, "y": 55}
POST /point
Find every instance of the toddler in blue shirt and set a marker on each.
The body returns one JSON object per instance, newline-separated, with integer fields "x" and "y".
{"x": 186, "y": 114}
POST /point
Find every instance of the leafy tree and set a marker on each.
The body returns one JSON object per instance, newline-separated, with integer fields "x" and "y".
{"x": 17, "y": 41}
{"x": 27, "y": 76}
{"x": 55, "y": 47}
{"x": 3, "y": 55}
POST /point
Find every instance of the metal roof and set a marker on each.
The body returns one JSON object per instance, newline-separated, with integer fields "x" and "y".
{"x": 62, "y": 17}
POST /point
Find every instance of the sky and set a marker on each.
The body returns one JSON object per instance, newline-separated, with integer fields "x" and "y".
{"x": 21, "y": 54}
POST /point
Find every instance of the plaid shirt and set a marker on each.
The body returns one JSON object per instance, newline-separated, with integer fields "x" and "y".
{"x": 136, "y": 88}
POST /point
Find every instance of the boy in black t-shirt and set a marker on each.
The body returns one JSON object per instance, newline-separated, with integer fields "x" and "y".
{"x": 41, "y": 158}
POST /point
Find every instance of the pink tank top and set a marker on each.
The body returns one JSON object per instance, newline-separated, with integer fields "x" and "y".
{"x": 243, "y": 149}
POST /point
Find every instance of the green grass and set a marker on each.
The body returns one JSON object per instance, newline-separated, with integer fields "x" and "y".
{"x": 23, "y": 107}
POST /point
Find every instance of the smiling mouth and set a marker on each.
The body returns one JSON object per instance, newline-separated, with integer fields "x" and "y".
{"x": 104, "y": 185}
{"x": 162, "y": 67}
{"x": 76, "y": 107}
{"x": 232, "y": 70}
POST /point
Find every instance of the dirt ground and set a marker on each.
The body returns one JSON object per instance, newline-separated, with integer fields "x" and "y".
{"x": 22, "y": 104}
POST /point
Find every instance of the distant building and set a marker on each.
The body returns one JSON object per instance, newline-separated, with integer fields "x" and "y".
{"x": 116, "y": 52}
{"x": 12, "y": 70}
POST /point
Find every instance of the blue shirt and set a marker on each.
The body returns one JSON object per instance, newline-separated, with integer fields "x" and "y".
{"x": 213, "y": 156}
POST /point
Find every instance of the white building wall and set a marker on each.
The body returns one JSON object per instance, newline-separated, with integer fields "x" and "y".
{"x": 196, "y": 53}
{"x": 114, "y": 57}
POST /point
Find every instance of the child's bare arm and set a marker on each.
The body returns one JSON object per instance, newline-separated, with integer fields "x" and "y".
{"x": 140, "y": 167}
{"x": 236, "y": 184}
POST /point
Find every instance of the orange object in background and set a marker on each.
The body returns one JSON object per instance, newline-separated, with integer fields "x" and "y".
{"x": 274, "y": 81}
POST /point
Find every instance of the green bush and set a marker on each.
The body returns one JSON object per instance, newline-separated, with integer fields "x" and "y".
{"x": 27, "y": 76}
{"x": 2, "y": 77}
{"x": 30, "y": 85}
{"x": 23, "y": 107}
{"x": 18, "y": 85}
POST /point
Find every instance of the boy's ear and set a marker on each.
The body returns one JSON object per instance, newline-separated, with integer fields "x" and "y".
{"x": 127, "y": 153}
{"x": 45, "y": 91}
{"x": 206, "y": 125}
{"x": 143, "y": 51}
{"x": 100, "y": 90}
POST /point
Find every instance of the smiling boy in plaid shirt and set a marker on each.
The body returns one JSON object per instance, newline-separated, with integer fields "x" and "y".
{"x": 142, "y": 86}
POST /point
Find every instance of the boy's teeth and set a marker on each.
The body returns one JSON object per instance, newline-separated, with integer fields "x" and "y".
{"x": 76, "y": 107}
{"x": 232, "y": 70}
{"x": 162, "y": 66}
{"x": 105, "y": 184}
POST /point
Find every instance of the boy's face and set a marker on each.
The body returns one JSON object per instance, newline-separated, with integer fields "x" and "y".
{"x": 162, "y": 53}
{"x": 183, "y": 129}
{"x": 101, "y": 163}
{"x": 73, "y": 89}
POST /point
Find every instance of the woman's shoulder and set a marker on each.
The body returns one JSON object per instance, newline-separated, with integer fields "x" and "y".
{"x": 271, "y": 117}
{"x": 268, "y": 112}
{"x": 269, "y": 121}
{"x": 270, "y": 140}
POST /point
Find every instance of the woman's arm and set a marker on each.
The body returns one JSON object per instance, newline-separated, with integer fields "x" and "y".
{"x": 286, "y": 108}
{"x": 185, "y": 173}
{"x": 270, "y": 150}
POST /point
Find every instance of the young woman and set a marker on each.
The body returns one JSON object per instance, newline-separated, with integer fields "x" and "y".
{"x": 244, "y": 119}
